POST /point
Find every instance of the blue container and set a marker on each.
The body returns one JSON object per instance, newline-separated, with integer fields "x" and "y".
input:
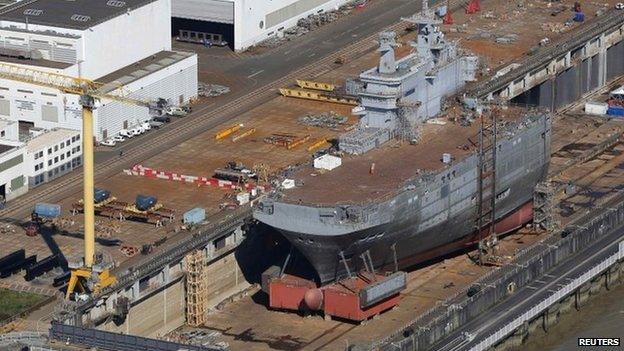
{"x": 194, "y": 216}
{"x": 616, "y": 111}
{"x": 441, "y": 11}
{"x": 579, "y": 17}
{"x": 47, "y": 210}
{"x": 145, "y": 202}
{"x": 100, "y": 195}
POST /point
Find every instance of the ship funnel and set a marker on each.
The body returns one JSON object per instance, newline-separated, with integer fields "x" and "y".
{"x": 387, "y": 61}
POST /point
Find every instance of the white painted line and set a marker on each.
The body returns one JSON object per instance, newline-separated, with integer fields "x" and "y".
{"x": 255, "y": 74}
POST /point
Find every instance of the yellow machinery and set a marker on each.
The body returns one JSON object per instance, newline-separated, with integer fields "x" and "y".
{"x": 228, "y": 131}
{"x": 309, "y": 84}
{"x": 86, "y": 277}
{"x": 319, "y": 95}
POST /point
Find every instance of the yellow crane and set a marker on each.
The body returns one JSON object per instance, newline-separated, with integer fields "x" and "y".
{"x": 89, "y": 91}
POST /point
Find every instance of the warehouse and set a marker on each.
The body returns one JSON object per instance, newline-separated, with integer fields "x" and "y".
{"x": 125, "y": 45}
{"x": 244, "y": 22}
{"x": 13, "y": 183}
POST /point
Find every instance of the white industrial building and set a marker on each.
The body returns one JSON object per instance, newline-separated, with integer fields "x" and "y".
{"x": 250, "y": 21}
{"x": 13, "y": 166}
{"x": 123, "y": 44}
{"x": 50, "y": 154}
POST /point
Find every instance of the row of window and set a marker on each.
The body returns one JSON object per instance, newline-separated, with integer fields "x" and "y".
{"x": 63, "y": 144}
{"x": 38, "y": 155}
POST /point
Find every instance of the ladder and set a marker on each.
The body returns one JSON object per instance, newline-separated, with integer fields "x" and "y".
{"x": 486, "y": 187}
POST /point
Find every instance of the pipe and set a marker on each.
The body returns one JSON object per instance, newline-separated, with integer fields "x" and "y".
{"x": 87, "y": 166}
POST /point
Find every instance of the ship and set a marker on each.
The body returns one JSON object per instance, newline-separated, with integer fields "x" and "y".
{"x": 389, "y": 207}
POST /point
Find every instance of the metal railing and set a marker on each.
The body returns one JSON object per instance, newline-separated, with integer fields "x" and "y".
{"x": 549, "y": 301}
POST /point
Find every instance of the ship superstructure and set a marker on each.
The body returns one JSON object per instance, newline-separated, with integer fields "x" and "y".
{"x": 398, "y": 95}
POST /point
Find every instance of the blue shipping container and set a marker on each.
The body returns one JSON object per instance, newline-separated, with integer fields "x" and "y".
{"x": 194, "y": 216}
{"x": 47, "y": 210}
{"x": 100, "y": 195}
{"x": 579, "y": 17}
{"x": 145, "y": 202}
{"x": 616, "y": 111}
{"x": 441, "y": 11}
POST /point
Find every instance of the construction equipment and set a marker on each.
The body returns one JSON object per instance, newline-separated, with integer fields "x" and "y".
{"x": 319, "y": 91}
{"x": 447, "y": 19}
{"x": 317, "y": 144}
{"x": 289, "y": 141}
{"x": 228, "y": 131}
{"x": 309, "y": 84}
{"x": 86, "y": 276}
{"x": 473, "y": 6}
{"x": 243, "y": 135}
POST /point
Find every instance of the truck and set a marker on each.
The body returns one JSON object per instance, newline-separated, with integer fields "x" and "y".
{"x": 175, "y": 111}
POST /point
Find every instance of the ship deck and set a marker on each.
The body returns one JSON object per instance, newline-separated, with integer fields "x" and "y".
{"x": 380, "y": 172}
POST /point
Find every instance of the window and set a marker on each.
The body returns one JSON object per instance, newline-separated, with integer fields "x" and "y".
{"x": 68, "y": 154}
{"x": 41, "y": 153}
{"x": 62, "y": 144}
{"x": 62, "y": 156}
{"x": 49, "y": 162}
{"x": 73, "y": 138}
{"x": 50, "y": 174}
{"x": 2, "y": 133}
{"x": 49, "y": 151}
{"x": 55, "y": 147}
{"x": 56, "y": 159}
{"x": 78, "y": 148}
{"x": 36, "y": 168}
{"x": 36, "y": 155}
{"x": 68, "y": 142}
{"x": 62, "y": 168}
{"x": 78, "y": 137}
{"x": 56, "y": 171}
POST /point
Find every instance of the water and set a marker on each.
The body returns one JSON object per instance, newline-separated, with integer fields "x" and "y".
{"x": 602, "y": 316}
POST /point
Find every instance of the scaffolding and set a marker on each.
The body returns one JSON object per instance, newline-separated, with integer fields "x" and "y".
{"x": 486, "y": 188}
{"x": 196, "y": 290}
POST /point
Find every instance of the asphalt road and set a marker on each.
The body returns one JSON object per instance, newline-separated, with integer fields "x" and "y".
{"x": 260, "y": 70}
{"x": 530, "y": 295}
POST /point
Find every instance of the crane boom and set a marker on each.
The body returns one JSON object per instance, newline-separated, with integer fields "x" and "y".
{"x": 89, "y": 91}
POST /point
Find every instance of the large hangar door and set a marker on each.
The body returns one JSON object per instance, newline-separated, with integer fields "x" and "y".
{"x": 209, "y": 16}
{"x": 220, "y": 11}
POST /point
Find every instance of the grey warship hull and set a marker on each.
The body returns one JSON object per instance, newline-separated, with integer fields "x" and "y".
{"x": 426, "y": 219}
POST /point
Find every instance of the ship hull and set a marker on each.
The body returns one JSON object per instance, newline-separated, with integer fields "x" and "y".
{"x": 404, "y": 240}
{"x": 447, "y": 238}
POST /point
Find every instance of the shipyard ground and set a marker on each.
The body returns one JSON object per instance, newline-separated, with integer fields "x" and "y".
{"x": 201, "y": 154}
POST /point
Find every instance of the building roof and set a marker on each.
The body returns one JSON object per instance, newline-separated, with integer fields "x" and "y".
{"x": 75, "y": 14}
{"x": 50, "y": 138}
{"x": 140, "y": 69}
{"x": 36, "y": 62}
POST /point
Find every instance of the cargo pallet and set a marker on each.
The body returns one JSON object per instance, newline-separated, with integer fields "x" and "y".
{"x": 120, "y": 210}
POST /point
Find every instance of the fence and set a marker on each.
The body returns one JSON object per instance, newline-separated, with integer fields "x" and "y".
{"x": 104, "y": 340}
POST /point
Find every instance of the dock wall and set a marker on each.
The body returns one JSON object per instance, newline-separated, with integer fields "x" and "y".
{"x": 422, "y": 333}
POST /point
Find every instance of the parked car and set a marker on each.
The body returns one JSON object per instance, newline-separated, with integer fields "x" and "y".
{"x": 156, "y": 124}
{"x": 146, "y": 126}
{"x": 126, "y": 133}
{"x": 109, "y": 142}
{"x": 118, "y": 139}
{"x": 162, "y": 119}
{"x": 175, "y": 111}
{"x": 137, "y": 130}
{"x": 619, "y": 6}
